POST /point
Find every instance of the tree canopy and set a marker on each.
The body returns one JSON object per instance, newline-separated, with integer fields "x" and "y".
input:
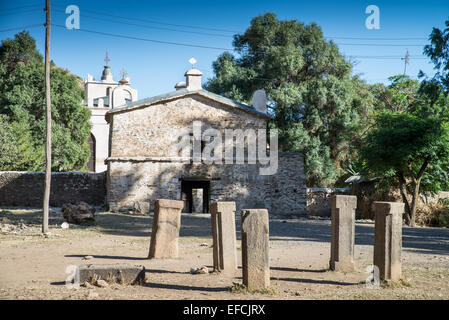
{"x": 318, "y": 108}
{"x": 408, "y": 146}
{"x": 22, "y": 104}
{"x": 402, "y": 148}
{"x": 438, "y": 52}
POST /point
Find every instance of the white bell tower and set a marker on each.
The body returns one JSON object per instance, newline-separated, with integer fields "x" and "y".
{"x": 101, "y": 96}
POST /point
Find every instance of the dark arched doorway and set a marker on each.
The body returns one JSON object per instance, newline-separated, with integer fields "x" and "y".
{"x": 91, "y": 163}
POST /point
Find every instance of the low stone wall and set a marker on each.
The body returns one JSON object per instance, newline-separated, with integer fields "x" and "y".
{"x": 319, "y": 200}
{"x": 442, "y": 195}
{"x": 25, "y": 189}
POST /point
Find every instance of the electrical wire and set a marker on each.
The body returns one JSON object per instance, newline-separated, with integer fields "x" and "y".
{"x": 144, "y": 39}
{"x": 24, "y": 27}
{"x": 152, "y": 21}
{"x": 22, "y": 7}
{"x": 198, "y": 46}
{"x": 18, "y": 12}
{"x": 223, "y": 30}
{"x": 148, "y": 27}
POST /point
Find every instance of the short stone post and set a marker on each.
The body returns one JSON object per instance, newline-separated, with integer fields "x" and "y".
{"x": 343, "y": 231}
{"x": 223, "y": 235}
{"x": 388, "y": 239}
{"x": 165, "y": 231}
{"x": 255, "y": 246}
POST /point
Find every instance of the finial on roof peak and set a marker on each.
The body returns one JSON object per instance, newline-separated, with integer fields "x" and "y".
{"x": 192, "y": 61}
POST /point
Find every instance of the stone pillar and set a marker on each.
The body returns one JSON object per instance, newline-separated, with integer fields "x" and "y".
{"x": 388, "y": 239}
{"x": 165, "y": 232}
{"x": 223, "y": 234}
{"x": 197, "y": 200}
{"x": 255, "y": 246}
{"x": 343, "y": 232}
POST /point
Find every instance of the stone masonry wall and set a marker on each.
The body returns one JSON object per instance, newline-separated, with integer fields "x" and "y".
{"x": 154, "y": 131}
{"x": 25, "y": 189}
{"x": 131, "y": 182}
{"x": 319, "y": 200}
{"x": 288, "y": 185}
{"x": 146, "y": 181}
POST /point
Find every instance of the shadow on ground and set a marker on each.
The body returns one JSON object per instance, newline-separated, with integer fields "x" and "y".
{"x": 419, "y": 240}
{"x": 105, "y": 257}
{"x": 422, "y": 240}
{"x": 185, "y": 288}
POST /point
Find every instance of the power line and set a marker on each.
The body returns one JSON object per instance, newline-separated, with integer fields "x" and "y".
{"x": 24, "y": 27}
{"x": 223, "y": 30}
{"x": 17, "y": 12}
{"x": 391, "y": 56}
{"x": 147, "y": 40}
{"x": 197, "y": 46}
{"x": 22, "y": 7}
{"x": 153, "y": 21}
{"x": 149, "y": 27}
{"x": 229, "y": 36}
{"x": 380, "y": 45}
{"x": 385, "y": 58}
{"x": 384, "y": 39}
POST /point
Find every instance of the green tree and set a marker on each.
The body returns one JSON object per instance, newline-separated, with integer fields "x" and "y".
{"x": 20, "y": 49}
{"x": 318, "y": 108}
{"x": 400, "y": 96}
{"x": 16, "y": 146}
{"x": 435, "y": 91}
{"x": 408, "y": 147}
{"x": 408, "y": 151}
{"x": 22, "y": 100}
{"x": 438, "y": 52}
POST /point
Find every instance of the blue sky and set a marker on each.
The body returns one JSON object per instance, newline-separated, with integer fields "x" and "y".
{"x": 155, "y": 68}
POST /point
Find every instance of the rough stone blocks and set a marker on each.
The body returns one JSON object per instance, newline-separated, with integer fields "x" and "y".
{"x": 224, "y": 236}
{"x": 123, "y": 274}
{"x": 388, "y": 239}
{"x": 255, "y": 247}
{"x": 343, "y": 232}
{"x": 165, "y": 231}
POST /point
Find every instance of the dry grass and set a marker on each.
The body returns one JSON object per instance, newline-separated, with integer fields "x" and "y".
{"x": 401, "y": 283}
{"x": 433, "y": 215}
{"x": 242, "y": 289}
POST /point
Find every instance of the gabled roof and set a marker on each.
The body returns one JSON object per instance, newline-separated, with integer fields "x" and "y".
{"x": 184, "y": 93}
{"x": 357, "y": 178}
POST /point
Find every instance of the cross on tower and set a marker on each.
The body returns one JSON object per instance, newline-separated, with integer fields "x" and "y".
{"x": 107, "y": 58}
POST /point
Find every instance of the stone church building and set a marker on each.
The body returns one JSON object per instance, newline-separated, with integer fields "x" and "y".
{"x": 143, "y": 164}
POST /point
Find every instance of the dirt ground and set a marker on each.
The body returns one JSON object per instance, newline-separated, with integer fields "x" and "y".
{"x": 34, "y": 267}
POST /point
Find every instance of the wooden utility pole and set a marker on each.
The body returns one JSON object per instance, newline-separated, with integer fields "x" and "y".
{"x": 48, "y": 122}
{"x": 406, "y": 61}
